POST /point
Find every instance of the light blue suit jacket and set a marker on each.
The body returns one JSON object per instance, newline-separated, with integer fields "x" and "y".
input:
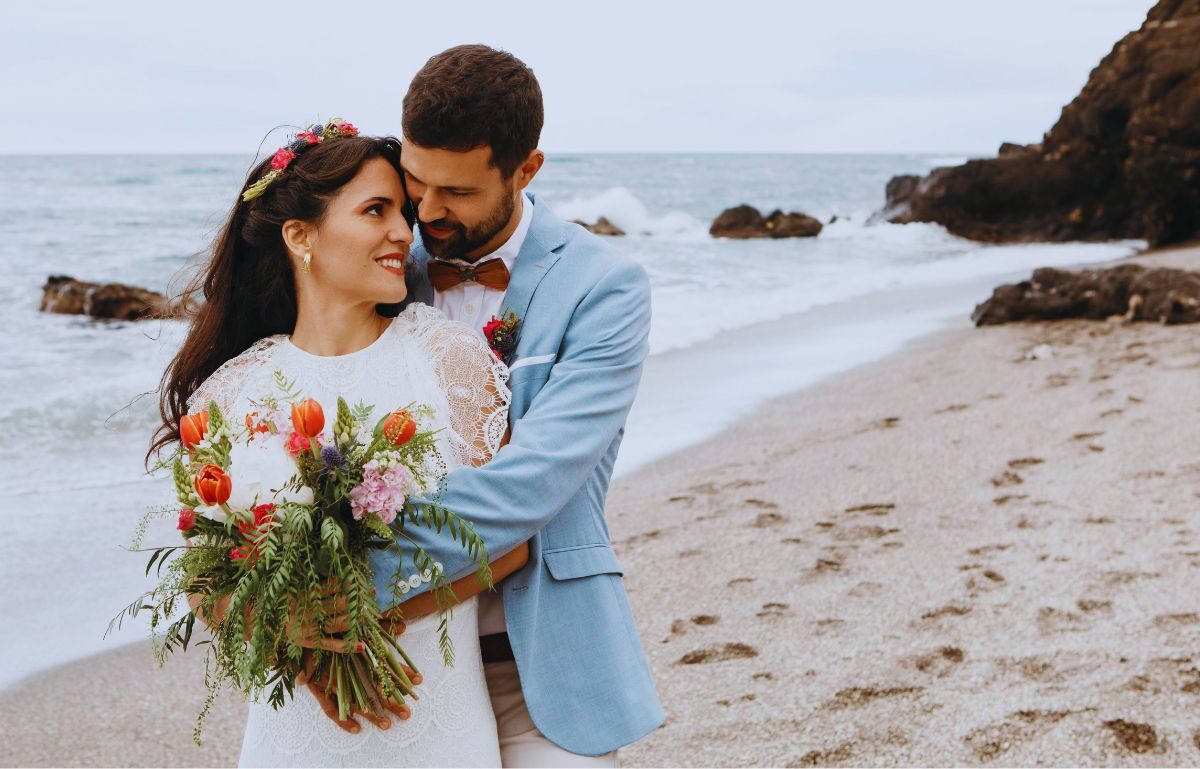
{"x": 585, "y": 318}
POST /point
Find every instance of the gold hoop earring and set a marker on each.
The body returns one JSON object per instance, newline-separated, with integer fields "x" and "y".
{"x": 308, "y": 261}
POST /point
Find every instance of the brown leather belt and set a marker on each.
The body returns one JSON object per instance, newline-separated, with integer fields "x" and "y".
{"x": 496, "y": 648}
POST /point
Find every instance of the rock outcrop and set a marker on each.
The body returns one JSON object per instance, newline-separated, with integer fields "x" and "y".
{"x": 602, "y": 227}
{"x": 1123, "y": 160}
{"x": 1161, "y": 294}
{"x": 113, "y": 301}
{"x": 748, "y": 222}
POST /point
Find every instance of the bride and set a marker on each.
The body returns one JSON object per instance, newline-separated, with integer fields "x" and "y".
{"x": 317, "y": 239}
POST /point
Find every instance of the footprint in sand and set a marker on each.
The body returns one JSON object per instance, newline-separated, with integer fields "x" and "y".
{"x": 638, "y": 539}
{"x": 1176, "y": 621}
{"x": 681, "y": 498}
{"x": 940, "y": 663}
{"x": 1007, "y": 478}
{"x": 990, "y": 579}
{"x": 678, "y": 628}
{"x": 1085, "y": 436}
{"x": 989, "y": 742}
{"x": 771, "y": 610}
{"x": 873, "y": 508}
{"x": 953, "y": 408}
{"x": 1004, "y": 499}
{"x": 1132, "y": 736}
{"x": 765, "y": 520}
{"x": 827, "y": 565}
{"x": 828, "y": 625}
{"x": 865, "y": 590}
{"x": 729, "y": 651}
{"x": 858, "y": 696}
{"x": 705, "y": 619}
{"x": 854, "y": 533}
{"x": 982, "y": 549}
{"x": 825, "y": 756}
{"x": 1052, "y": 621}
{"x": 740, "y": 581}
{"x": 764, "y": 504}
{"x": 949, "y": 610}
{"x": 744, "y": 698}
{"x": 887, "y": 423}
{"x": 1093, "y": 605}
{"x": 1017, "y": 464}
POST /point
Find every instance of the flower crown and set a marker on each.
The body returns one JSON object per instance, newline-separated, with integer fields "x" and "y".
{"x": 313, "y": 134}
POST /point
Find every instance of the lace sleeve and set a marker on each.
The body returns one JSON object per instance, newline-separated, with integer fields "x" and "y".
{"x": 228, "y": 381}
{"x": 476, "y": 387}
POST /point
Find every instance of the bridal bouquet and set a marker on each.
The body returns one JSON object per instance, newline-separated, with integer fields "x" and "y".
{"x": 278, "y": 515}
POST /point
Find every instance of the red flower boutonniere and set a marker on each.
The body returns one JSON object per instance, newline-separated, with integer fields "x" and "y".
{"x": 501, "y": 335}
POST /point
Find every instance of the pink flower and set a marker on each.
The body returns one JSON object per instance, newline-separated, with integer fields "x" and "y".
{"x": 187, "y": 519}
{"x": 308, "y": 136}
{"x": 297, "y": 443}
{"x": 346, "y": 129}
{"x": 381, "y": 492}
{"x": 282, "y": 158}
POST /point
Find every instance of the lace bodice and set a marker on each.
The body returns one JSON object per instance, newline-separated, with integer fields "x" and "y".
{"x": 421, "y": 358}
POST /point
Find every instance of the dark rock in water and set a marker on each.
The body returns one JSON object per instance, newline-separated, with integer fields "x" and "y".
{"x": 115, "y": 301}
{"x": 602, "y": 227}
{"x": 739, "y": 222}
{"x": 1123, "y": 160}
{"x": 898, "y": 191}
{"x": 1131, "y": 291}
{"x": 794, "y": 225}
{"x": 748, "y": 222}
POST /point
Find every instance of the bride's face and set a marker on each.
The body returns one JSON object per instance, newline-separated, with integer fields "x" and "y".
{"x": 360, "y": 245}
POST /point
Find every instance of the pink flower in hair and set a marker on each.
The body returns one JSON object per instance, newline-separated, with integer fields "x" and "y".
{"x": 308, "y": 136}
{"x": 282, "y": 158}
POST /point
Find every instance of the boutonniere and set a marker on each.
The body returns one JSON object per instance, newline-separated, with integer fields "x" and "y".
{"x": 501, "y": 335}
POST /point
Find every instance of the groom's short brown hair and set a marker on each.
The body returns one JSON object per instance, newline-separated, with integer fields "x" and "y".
{"x": 474, "y": 96}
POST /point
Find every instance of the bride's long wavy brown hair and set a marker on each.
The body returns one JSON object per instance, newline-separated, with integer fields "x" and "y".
{"x": 248, "y": 285}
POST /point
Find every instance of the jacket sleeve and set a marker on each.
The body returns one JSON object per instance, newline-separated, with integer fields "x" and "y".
{"x": 557, "y": 443}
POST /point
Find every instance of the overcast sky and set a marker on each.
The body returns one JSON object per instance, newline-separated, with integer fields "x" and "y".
{"x": 646, "y": 76}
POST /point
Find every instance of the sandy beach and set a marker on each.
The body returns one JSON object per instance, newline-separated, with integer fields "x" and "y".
{"x": 964, "y": 554}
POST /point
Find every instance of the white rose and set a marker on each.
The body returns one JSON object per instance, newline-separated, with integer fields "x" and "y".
{"x": 260, "y": 470}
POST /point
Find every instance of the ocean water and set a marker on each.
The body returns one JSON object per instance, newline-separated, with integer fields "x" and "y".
{"x": 756, "y": 318}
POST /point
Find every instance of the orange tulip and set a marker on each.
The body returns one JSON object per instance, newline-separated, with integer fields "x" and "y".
{"x": 192, "y": 429}
{"x": 399, "y": 427}
{"x": 213, "y": 485}
{"x": 308, "y": 418}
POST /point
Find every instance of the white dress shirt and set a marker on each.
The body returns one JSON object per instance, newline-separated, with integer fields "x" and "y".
{"x": 475, "y": 305}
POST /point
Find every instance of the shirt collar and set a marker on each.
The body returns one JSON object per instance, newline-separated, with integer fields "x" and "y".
{"x": 511, "y": 247}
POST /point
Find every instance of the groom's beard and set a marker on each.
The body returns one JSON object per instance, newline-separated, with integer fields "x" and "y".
{"x": 464, "y": 240}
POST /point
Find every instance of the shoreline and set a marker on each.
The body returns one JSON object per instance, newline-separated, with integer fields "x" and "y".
{"x": 669, "y": 520}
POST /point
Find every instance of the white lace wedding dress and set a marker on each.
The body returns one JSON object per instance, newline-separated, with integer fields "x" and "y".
{"x": 426, "y": 359}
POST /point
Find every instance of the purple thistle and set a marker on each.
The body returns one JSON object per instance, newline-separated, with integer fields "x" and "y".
{"x": 332, "y": 457}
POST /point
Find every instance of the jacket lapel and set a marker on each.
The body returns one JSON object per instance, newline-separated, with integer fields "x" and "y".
{"x": 539, "y": 252}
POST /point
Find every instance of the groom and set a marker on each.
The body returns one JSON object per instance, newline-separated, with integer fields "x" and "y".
{"x": 565, "y": 668}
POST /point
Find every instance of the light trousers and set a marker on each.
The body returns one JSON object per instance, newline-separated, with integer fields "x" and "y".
{"x": 521, "y": 744}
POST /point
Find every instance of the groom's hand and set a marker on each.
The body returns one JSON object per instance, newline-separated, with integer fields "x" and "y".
{"x": 327, "y": 699}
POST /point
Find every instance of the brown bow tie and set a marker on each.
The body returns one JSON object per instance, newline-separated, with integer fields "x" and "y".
{"x": 492, "y": 274}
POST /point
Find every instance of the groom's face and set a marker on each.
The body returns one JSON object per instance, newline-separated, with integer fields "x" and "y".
{"x": 464, "y": 204}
